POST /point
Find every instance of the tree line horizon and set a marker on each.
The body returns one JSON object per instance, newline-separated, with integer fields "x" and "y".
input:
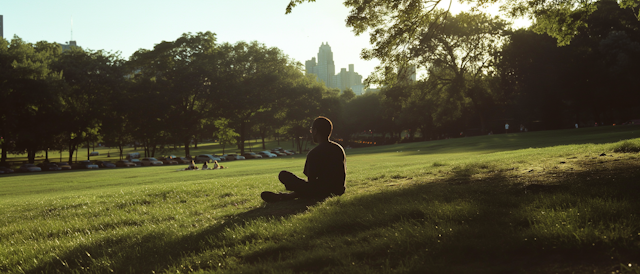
{"x": 480, "y": 74}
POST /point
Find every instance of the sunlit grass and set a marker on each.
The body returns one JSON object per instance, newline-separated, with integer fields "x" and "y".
{"x": 461, "y": 206}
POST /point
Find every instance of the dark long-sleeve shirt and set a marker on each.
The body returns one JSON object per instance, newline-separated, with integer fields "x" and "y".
{"x": 326, "y": 166}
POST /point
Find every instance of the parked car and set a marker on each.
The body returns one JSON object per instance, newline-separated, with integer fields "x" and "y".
{"x": 136, "y": 162}
{"x": 251, "y": 155}
{"x": 125, "y": 163}
{"x": 168, "y": 161}
{"x": 231, "y": 157}
{"x": 94, "y": 153}
{"x": 133, "y": 155}
{"x": 105, "y": 164}
{"x": 28, "y": 168}
{"x": 182, "y": 160}
{"x": 267, "y": 154}
{"x": 278, "y": 153}
{"x": 49, "y": 167}
{"x": 86, "y": 164}
{"x": 222, "y": 158}
{"x": 63, "y": 165}
{"x": 150, "y": 161}
{"x": 6, "y": 170}
{"x": 202, "y": 158}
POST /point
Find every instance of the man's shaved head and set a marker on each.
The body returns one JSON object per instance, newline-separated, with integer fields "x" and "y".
{"x": 323, "y": 126}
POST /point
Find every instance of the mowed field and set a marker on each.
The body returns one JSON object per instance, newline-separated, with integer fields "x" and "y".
{"x": 544, "y": 202}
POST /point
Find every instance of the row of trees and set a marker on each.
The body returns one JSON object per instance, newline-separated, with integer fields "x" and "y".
{"x": 180, "y": 91}
{"x": 480, "y": 74}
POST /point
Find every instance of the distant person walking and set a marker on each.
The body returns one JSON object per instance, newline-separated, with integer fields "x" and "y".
{"x": 325, "y": 169}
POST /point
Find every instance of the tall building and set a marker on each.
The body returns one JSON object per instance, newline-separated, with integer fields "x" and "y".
{"x": 325, "y": 68}
{"x": 350, "y": 79}
{"x": 310, "y": 67}
{"x": 1, "y": 27}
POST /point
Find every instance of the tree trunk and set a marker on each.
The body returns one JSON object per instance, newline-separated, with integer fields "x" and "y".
{"x": 241, "y": 143}
{"x": 121, "y": 148}
{"x": 153, "y": 151}
{"x": 88, "y": 152}
{"x": 4, "y": 152}
{"x": 187, "y": 151}
{"x": 482, "y": 123}
{"x": 71, "y": 151}
{"x": 31, "y": 155}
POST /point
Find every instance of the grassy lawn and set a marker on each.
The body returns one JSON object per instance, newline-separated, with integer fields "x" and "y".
{"x": 543, "y": 202}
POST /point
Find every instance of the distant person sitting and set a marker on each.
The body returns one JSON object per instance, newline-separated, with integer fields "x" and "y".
{"x": 192, "y": 166}
{"x": 325, "y": 169}
{"x": 205, "y": 166}
{"x": 216, "y": 165}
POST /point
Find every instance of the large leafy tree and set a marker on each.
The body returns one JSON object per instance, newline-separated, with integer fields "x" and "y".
{"x": 256, "y": 77}
{"x": 298, "y": 107}
{"x": 30, "y": 98}
{"x": 579, "y": 83}
{"x": 185, "y": 75}
{"x": 393, "y": 24}
{"x": 90, "y": 79}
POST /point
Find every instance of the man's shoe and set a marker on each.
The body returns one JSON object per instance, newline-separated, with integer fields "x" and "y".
{"x": 271, "y": 197}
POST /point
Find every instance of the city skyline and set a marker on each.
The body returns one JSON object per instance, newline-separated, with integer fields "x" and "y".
{"x": 325, "y": 71}
{"x": 126, "y": 26}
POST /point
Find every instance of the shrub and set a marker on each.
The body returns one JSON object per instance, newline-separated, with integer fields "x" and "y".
{"x": 626, "y": 147}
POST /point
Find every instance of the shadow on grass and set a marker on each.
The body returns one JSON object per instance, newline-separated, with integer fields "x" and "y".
{"x": 478, "y": 219}
{"x": 154, "y": 252}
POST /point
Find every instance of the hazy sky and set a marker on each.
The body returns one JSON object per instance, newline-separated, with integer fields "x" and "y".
{"x": 127, "y": 26}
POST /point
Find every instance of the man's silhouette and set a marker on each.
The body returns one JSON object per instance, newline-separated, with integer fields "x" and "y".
{"x": 325, "y": 169}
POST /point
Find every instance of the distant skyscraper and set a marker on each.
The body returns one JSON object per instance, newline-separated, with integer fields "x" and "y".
{"x": 1, "y": 27}
{"x": 310, "y": 67}
{"x": 325, "y": 68}
{"x": 350, "y": 79}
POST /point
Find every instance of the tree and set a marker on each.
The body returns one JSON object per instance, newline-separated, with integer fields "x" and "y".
{"x": 363, "y": 113}
{"x": 298, "y": 107}
{"x": 580, "y": 82}
{"x": 185, "y": 73}
{"x": 225, "y": 134}
{"x": 347, "y": 95}
{"x": 90, "y": 77}
{"x": 393, "y": 24}
{"x": 256, "y": 77}
{"x": 30, "y": 97}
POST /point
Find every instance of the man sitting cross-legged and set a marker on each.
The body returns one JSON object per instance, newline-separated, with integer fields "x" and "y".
{"x": 325, "y": 169}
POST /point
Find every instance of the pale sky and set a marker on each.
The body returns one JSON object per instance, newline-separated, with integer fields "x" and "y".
{"x": 127, "y": 26}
